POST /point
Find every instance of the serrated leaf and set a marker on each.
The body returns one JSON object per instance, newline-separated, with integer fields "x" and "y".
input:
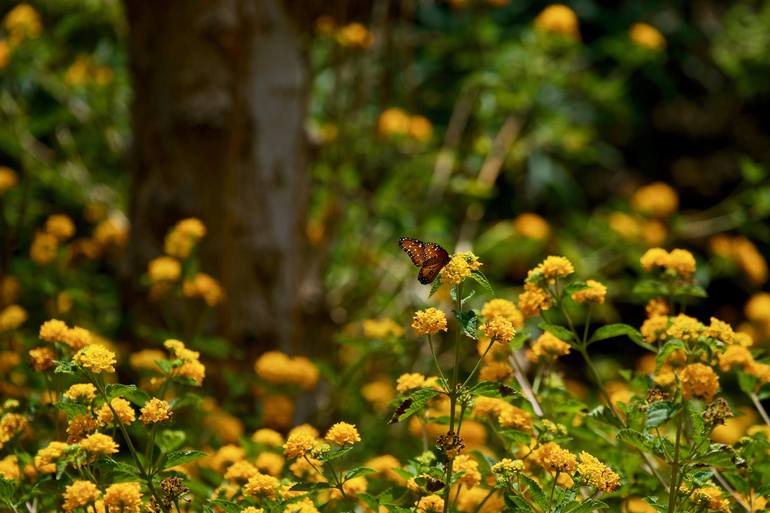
{"x": 619, "y": 330}
{"x": 482, "y": 280}
{"x": 175, "y": 458}
{"x": 469, "y": 322}
{"x": 227, "y": 506}
{"x": 490, "y": 389}
{"x": 557, "y": 331}
{"x": 435, "y": 286}
{"x": 535, "y": 491}
{"x": 358, "y": 471}
{"x": 309, "y": 487}
{"x": 658, "y": 413}
{"x": 418, "y": 399}
{"x": 130, "y": 392}
{"x": 121, "y": 467}
{"x": 668, "y": 348}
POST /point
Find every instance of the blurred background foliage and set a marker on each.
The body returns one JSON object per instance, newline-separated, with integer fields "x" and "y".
{"x": 517, "y": 129}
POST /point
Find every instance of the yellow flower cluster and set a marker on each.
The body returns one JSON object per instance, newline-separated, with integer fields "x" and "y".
{"x": 55, "y": 330}
{"x": 532, "y": 226}
{"x": 430, "y": 504}
{"x": 97, "y": 359}
{"x": 343, "y": 433}
{"x": 554, "y": 458}
{"x": 379, "y": 329}
{"x": 204, "y": 287}
{"x": 164, "y": 269}
{"x": 700, "y": 381}
{"x": 155, "y": 411}
{"x": 505, "y": 309}
{"x": 684, "y": 327}
{"x": 123, "y": 498}
{"x": 46, "y": 458}
{"x": 183, "y": 237}
{"x": 658, "y": 199}
{"x": 560, "y": 19}
{"x": 429, "y": 321}
{"x": 595, "y": 293}
{"x": 533, "y": 300}
{"x": 99, "y": 444}
{"x": 191, "y": 367}
{"x": 126, "y": 414}
{"x": 79, "y": 494}
{"x": 78, "y": 391}
{"x": 469, "y": 468}
{"x": 547, "y": 348}
{"x": 299, "y": 444}
{"x": 647, "y": 36}
{"x": 551, "y": 269}
{"x": 22, "y": 22}
{"x": 395, "y": 122}
{"x": 11, "y": 317}
{"x": 498, "y": 329}
{"x": 278, "y": 368}
{"x": 744, "y": 253}
{"x": 679, "y": 261}
{"x": 597, "y": 474}
{"x": 8, "y": 179}
{"x": 262, "y": 485}
{"x": 513, "y": 417}
{"x": 460, "y": 267}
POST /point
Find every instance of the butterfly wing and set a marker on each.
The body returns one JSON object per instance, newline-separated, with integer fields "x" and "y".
{"x": 436, "y": 258}
{"x": 414, "y": 248}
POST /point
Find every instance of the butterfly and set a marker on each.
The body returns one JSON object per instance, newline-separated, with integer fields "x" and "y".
{"x": 428, "y": 256}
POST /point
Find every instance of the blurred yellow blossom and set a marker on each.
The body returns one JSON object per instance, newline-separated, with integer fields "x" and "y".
{"x": 594, "y": 293}
{"x": 647, "y": 36}
{"x": 205, "y": 287}
{"x": 354, "y": 35}
{"x": 22, "y": 22}
{"x": 183, "y": 237}
{"x": 43, "y": 248}
{"x": 531, "y": 225}
{"x": 547, "y": 348}
{"x": 8, "y": 179}
{"x": 164, "y": 269}
{"x": 560, "y": 19}
{"x": 11, "y": 317}
{"x": 658, "y": 199}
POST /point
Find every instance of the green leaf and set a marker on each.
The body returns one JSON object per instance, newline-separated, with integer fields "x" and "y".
{"x": 7, "y": 489}
{"x": 668, "y": 348}
{"x": 309, "y": 487}
{"x": 534, "y": 489}
{"x": 358, "y": 471}
{"x": 491, "y": 389}
{"x": 746, "y": 382}
{"x": 175, "y": 458}
{"x": 227, "y": 506}
{"x": 588, "y": 505}
{"x": 559, "y": 332}
{"x": 658, "y": 413}
{"x": 619, "y": 330}
{"x": 469, "y": 322}
{"x": 482, "y": 280}
{"x": 575, "y": 286}
{"x": 333, "y": 455}
{"x": 690, "y": 290}
{"x": 435, "y": 286}
{"x": 64, "y": 368}
{"x": 414, "y": 403}
{"x": 130, "y": 392}
{"x": 650, "y": 288}
{"x": 121, "y": 467}
{"x": 657, "y": 445}
{"x": 169, "y": 440}
{"x": 71, "y": 408}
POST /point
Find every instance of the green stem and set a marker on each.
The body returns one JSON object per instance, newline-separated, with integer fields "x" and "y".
{"x": 453, "y": 396}
{"x": 674, "y": 488}
{"x": 475, "y": 367}
{"x": 435, "y": 361}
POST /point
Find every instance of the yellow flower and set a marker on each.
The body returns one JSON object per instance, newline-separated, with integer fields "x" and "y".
{"x": 595, "y": 293}
{"x": 409, "y": 381}
{"x": 298, "y": 445}
{"x": 547, "y": 348}
{"x": 711, "y": 498}
{"x": 99, "y": 443}
{"x": 560, "y": 19}
{"x": 46, "y": 458}
{"x": 429, "y": 321}
{"x": 123, "y": 498}
{"x": 146, "y": 359}
{"x": 354, "y": 35}
{"x": 495, "y": 371}
{"x": 654, "y": 257}
{"x": 655, "y": 328}
{"x": 268, "y": 437}
{"x": 8, "y": 178}
{"x": 384, "y": 466}
{"x": 393, "y": 121}
{"x": 505, "y": 309}
{"x": 261, "y": 485}
{"x": 647, "y": 36}
{"x": 270, "y": 463}
{"x": 343, "y": 433}
{"x": 379, "y": 329}
{"x": 22, "y": 22}
{"x": 43, "y": 248}
{"x": 469, "y": 467}
{"x": 552, "y": 268}
{"x": 499, "y": 330}
{"x": 532, "y": 226}
{"x": 681, "y": 262}
{"x": 533, "y": 300}
{"x": 761, "y": 371}
{"x": 597, "y": 474}
{"x": 484, "y": 407}
{"x": 750, "y": 260}
{"x": 205, "y": 287}
{"x": 507, "y": 466}
{"x": 192, "y": 370}
{"x": 654, "y": 232}
{"x": 379, "y": 393}
{"x": 53, "y": 330}
{"x": 735, "y": 356}
{"x": 9, "y": 468}
{"x": 81, "y": 391}
{"x": 637, "y": 505}
{"x": 720, "y": 330}
{"x": 98, "y": 359}
{"x": 279, "y": 368}
{"x": 354, "y": 486}
{"x": 277, "y": 411}
{"x": 757, "y": 308}
{"x": 514, "y": 418}
{"x": 60, "y": 226}
{"x": 430, "y": 504}
{"x": 155, "y": 411}
{"x": 460, "y": 267}
{"x": 77, "y": 337}
{"x": 658, "y": 198}
{"x": 164, "y": 269}
{"x": 80, "y": 493}
{"x": 685, "y": 328}
{"x": 656, "y": 306}
{"x": 241, "y": 471}
{"x": 553, "y": 458}
{"x": 183, "y": 237}
{"x": 699, "y": 380}
{"x": 420, "y": 128}
{"x": 79, "y": 427}
{"x": 11, "y": 317}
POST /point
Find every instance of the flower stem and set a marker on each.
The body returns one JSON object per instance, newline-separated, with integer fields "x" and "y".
{"x": 760, "y": 408}
{"x": 453, "y": 395}
{"x": 673, "y": 489}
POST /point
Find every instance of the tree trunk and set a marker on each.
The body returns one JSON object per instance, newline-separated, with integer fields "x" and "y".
{"x": 218, "y": 121}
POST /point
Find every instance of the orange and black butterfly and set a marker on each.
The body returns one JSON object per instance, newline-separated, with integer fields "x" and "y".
{"x": 428, "y": 256}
